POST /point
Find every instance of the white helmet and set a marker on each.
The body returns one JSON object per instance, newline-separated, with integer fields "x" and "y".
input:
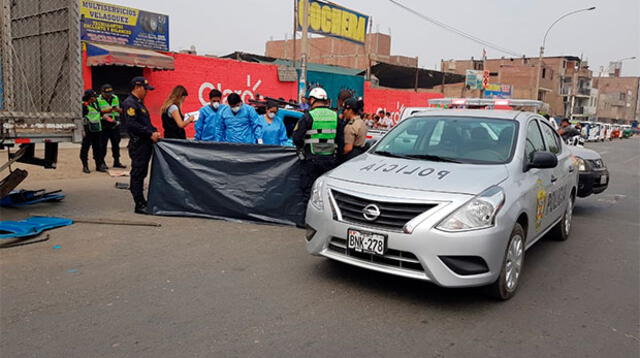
{"x": 318, "y": 93}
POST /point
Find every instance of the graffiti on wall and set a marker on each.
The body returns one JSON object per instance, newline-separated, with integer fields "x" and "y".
{"x": 247, "y": 93}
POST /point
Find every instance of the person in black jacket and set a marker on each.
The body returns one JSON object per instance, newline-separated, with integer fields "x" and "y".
{"x": 142, "y": 135}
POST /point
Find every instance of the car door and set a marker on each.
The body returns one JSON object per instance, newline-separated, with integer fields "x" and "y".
{"x": 561, "y": 175}
{"x": 538, "y": 181}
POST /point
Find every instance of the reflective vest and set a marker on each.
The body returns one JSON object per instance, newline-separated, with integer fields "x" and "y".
{"x": 321, "y": 138}
{"x": 93, "y": 118}
{"x": 105, "y": 105}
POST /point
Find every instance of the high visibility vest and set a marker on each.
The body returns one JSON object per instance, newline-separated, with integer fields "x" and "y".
{"x": 321, "y": 138}
{"x": 93, "y": 119}
{"x": 104, "y": 105}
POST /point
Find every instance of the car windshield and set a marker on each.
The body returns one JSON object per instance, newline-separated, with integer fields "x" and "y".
{"x": 451, "y": 139}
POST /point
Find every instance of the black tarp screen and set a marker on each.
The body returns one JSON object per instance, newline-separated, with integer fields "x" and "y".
{"x": 226, "y": 181}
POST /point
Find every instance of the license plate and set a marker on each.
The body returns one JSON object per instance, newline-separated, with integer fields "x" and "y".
{"x": 603, "y": 179}
{"x": 366, "y": 242}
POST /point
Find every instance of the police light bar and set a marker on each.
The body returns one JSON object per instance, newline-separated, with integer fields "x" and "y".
{"x": 486, "y": 102}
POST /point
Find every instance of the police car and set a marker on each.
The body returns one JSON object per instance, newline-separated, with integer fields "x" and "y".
{"x": 454, "y": 197}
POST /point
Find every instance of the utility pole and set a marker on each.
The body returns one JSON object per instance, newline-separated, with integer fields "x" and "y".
{"x": 444, "y": 75}
{"x": 295, "y": 31}
{"x": 368, "y": 42}
{"x": 302, "y": 84}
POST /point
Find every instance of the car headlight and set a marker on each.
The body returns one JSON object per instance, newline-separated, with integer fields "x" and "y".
{"x": 582, "y": 164}
{"x": 478, "y": 213}
{"x": 316, "y": 195}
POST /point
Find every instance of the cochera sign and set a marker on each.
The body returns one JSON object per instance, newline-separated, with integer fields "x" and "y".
{"x": 123, "y": 25}
{"x": 333, "y": 20}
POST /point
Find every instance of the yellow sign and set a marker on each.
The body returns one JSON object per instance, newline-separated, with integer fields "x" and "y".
{"x": 110, "y": 13}
{"x": 333, "y": 20}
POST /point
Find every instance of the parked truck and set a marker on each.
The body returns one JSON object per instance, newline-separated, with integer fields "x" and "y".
{"x": 40, "y": 83}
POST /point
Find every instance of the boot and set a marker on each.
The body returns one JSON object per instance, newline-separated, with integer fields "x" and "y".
{"x": 102, "y": 168}
{"x": 85, "y": 168}
{"x": 117, "y": 164}
{"x": 141, "y": 208}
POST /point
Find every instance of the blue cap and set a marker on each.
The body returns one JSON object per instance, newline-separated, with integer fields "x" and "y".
{"x": 141, "y": 81}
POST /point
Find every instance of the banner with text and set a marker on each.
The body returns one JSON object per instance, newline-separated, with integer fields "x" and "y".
{"x": 494, "y": 90}
{"x": 122, "y": 25}
{"x": 330, "y": 19}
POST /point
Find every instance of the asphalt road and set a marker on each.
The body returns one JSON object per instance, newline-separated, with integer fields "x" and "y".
{"x": 206, "y": 288}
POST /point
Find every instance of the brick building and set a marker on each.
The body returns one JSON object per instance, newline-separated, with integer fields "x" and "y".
{"x": 565, "y": 81}
{"x": 333, "y": 51}
{"x": 618, "y": 100}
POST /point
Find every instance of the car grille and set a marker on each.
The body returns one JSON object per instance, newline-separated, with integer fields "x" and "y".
{"x": 392, "y": 215}
{"x": 597, "y": 164}
{"x": 394, "y": 258}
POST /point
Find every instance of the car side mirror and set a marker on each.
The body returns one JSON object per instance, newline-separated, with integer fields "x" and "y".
{"x": 543, "y": 160}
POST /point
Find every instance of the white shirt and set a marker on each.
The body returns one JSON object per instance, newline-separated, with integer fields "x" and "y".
{"x": 385, "y": 122}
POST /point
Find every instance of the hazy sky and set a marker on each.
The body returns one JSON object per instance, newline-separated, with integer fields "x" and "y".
{"x": 610, "y": 32}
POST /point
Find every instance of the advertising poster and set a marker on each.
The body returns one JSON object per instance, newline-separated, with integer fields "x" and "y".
{"x": 330, "y": 19}
{"x": 120, "y": 25}
{"x": 498, "y": 91}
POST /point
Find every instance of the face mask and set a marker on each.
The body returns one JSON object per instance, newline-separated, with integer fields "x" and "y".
{"x": 235, "y": 109}
{"x": 271, "y": 115}
{"x": 215, "y": 105}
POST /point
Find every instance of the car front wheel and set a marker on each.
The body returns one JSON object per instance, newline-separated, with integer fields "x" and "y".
{"x": 507, "y": 283}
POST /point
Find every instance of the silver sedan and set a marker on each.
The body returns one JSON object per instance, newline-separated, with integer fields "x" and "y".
{"x": 454, "y": 197}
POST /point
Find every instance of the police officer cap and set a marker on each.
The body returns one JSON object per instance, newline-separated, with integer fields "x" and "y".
{"x": 106, "y": 88}
{"x": 141, "y": 81}
{"x": 88, "y": 94}
{"x": 351, "y": 103}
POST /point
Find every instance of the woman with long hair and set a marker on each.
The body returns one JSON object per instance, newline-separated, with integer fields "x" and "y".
{"x": 173, "y": 120}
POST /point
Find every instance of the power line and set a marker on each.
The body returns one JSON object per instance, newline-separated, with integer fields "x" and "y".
{"x": 456, "y": 31}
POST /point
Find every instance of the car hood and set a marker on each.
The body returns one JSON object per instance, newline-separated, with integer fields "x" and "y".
{"x": 584, "y": 153}
{"x": 422, "y": 175}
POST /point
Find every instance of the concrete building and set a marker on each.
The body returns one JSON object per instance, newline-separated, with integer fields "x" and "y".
{"x": 565, "y": 81}
{"x": 333, "y": 51}
{"x": 618, "y": 99}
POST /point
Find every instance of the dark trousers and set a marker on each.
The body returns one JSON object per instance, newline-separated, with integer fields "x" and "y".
{"x": 312, "y": 169}
{"x": 356, "y": 151}
{"x": 113, "y": 136}
{"x": 92, "y": 140}
{"x": 140, "y": 154}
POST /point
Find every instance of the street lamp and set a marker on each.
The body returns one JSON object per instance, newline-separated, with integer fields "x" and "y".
{"x": 544, "y": 41}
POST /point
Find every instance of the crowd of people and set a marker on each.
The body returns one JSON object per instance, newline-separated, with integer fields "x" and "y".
{"x": 324, "y": 136}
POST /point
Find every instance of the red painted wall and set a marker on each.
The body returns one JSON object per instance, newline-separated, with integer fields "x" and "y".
{"x": 200, "y": 74}
{"x": 394, "y": 100}
{"x": 86, "y": 70}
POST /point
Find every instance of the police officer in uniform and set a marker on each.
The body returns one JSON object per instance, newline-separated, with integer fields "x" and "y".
{"x": 319, "y": 137}
{"x": 109, "y": 105}
{"x": 142, "y": 135}
{"x": 355, "y": 130}
{"x": 92, "y": 133}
